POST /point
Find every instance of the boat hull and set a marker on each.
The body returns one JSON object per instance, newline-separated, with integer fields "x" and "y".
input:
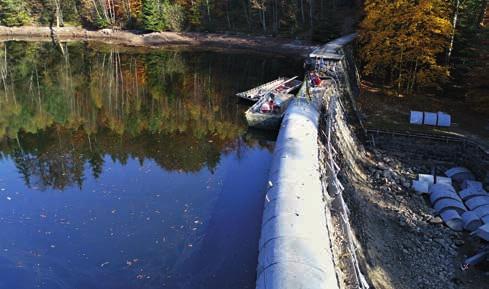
{"x": 263, "y": 121}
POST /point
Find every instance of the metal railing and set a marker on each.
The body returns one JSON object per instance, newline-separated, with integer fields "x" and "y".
{"x": 331, "y": 99}
{"x": 337, "y": 188}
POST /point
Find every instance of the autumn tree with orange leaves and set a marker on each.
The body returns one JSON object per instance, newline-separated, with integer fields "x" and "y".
{"x": 403, "y": 43}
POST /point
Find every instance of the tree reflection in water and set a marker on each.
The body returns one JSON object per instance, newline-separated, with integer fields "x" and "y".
{"x": 63, "y": 109}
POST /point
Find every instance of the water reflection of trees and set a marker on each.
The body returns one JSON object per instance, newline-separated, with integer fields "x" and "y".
{"x": 65, "y": 108}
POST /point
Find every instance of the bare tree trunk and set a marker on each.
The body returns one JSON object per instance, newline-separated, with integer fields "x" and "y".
{"x": 4, "y": 72}
{"x": 127, "y": 8}
{"x": 112, "y": 6}
{"x": 58, "y": 12}
{"x": 302, "y": 12}
{"x": 227, "y": 15}
{"x": 311, "y": 14}
{"x": 321, "y": 12}
{"x": 103, "y": 5}
{"x": 247, "y": 14}
{"x": 39, "y": 92}
{"x": 207, "y": 4}
{"x": 399, "y": 79}
{"x": 413, "y": 82}
{"x": 95, "y": 5}
{"x": 263, "y": 20}
{"x": 275, "y": 16}
{"x": 454, "y": 27}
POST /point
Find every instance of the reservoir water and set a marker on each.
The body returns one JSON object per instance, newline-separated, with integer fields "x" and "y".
{"x": 130, "y": 168}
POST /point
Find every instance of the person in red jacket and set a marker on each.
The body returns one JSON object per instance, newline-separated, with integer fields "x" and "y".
{"x": 315, "y": 79}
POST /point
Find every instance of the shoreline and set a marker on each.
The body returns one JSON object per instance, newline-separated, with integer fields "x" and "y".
{"x": 159, "y": 39}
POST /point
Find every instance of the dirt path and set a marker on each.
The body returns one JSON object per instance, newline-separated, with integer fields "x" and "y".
{"x": 159, "y": 39}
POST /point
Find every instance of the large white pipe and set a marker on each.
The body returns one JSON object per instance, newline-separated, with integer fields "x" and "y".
{"x": 295, "y": 249}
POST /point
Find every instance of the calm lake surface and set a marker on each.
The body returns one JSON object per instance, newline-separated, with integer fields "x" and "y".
{"x": 122, "y": 168}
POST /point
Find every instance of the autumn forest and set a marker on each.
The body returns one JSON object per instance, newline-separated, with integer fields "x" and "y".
{"x": 404, "y": 45}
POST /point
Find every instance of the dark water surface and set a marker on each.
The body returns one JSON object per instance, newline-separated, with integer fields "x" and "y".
{"x": 128, "y": 169}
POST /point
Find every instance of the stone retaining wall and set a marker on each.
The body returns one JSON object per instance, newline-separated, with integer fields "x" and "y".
{"x": 461, "y": 151}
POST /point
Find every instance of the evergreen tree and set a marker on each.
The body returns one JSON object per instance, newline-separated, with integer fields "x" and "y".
{"x": 152, "y": 15}
{"x": 13, "y": 13}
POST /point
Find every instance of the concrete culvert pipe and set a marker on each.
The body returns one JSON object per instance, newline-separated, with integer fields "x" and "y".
{"x": 435, "y": 197}
{"x": 476, "y": 202}
{"x": 471, "y": 221}
{"x": 453, "y": 220}
{"x": 471, "y": 184}
{"x": 483, "y": 232}
{"x": 485, "y": 219}
{"x": 482, "y": 211}
{"x": 449, "y": 204}
{"x": 441, "y": 187}
{"x": 472, "y": 192}
{"x": 460, "y": 174}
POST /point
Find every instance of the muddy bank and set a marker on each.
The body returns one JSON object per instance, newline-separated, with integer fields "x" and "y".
{"x": 159, "y": 39}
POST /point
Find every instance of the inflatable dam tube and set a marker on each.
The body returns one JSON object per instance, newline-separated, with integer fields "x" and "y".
{"x": 295, "y": 249}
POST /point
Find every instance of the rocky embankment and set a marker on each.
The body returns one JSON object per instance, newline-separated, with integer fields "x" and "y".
{"x": 159, "y": 39}
{"x": 401, "y": 242}
{"x": 405, "y": 238}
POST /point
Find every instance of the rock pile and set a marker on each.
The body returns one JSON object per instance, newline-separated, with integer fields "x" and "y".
{"x": 417, "y": 248}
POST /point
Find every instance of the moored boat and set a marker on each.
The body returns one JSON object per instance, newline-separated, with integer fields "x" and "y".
{"x": 279, "y": 85}
{"x": 267, "y": 113}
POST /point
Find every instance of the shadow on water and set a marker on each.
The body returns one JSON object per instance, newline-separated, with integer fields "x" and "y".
{"x": 121, "y": 169}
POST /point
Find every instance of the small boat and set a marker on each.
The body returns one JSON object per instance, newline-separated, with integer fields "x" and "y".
{"x": 267, "y": 113}
{"x": 281, "y": 85}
